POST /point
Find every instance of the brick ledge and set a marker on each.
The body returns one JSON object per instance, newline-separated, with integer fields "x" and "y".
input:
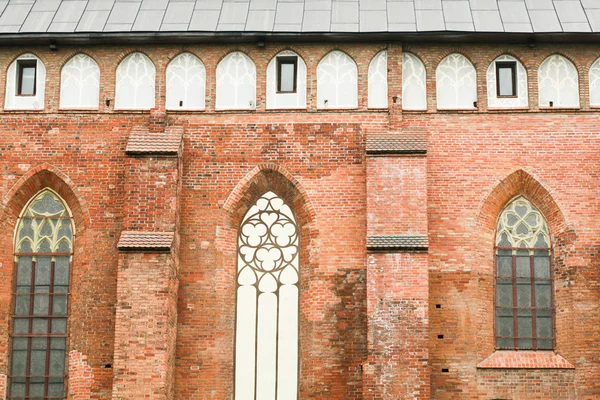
{"x": 145, "y": 241}
{"x": 397, "y": 242}
{"x": 507, "y": 359}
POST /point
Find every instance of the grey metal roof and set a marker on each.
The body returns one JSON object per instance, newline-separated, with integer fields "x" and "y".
{"x": 299, "y": 16}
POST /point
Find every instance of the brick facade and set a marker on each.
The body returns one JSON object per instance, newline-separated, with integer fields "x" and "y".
{"x": 398, "y": 324}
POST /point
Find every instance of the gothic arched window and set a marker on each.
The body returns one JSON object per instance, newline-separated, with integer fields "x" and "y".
{"x": 25, "y": 84}
{"x": 186, "y": 82}
{"x": 80, "y": 83}
{"x": 136, "y": 79}
{"x": 414, "y": 83}
{"x": 236, "y": 82}
{"x": 558, "y": 83}
{"x": 266, "y": 351}
{"x": 506, "y": 83}
{"x": 43, "y": 252}
{"x": 337, "y": 81}
{"x": 456, "y": 82}
{"x": 286, "y": 81}
{"x": 595, "y": 83}
{"x": 378, "y": 81}
{"x": 524, "y": 293}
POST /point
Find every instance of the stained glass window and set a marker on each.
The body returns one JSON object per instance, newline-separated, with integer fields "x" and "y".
{"x": 524, "y": 293}
{"x": 266, "y": 352}
{"x": 43, "y": 251}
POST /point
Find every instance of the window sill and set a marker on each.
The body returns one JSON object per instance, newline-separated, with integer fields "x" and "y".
{"x": 518, "y": 108}
{"x": 20, "y": 110}
{"x": 525, "y": 359}
{"x": 561, "y": 108}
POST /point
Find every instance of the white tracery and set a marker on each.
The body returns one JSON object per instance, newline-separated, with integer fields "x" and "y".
{"x": 378, "y": 81}
{"x": 522, "y": 225}
{"x": 521, "y": 100}
{"x": 14, "y": 101}
{"x": 337, "y": 77}
{"x": 414, "y": 83}
{"x": 136, "y": 79}
{"x": 236, "y": 82}
{"x": 595, "y": 83}
{"x": 80, "y": 83}
{"x": 558, "y": 82}
{"x": 186, "y": 83}
{"x": 456, "y": 82}
{"x": 286, "y": 100}
{"x": 266, "y": 359}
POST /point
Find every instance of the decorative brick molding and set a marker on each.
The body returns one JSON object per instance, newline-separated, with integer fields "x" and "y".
{"x": 146, "y": 241}
{"x": 397, "y": 242}
{"x": 390, "y": 144}
{"x": 144, "y": 142}
{"x": 525, "y": 360}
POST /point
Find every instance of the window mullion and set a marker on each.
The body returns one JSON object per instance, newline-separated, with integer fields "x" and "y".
{"x": 533, "y": 303}
{"x": 515, "y": 301}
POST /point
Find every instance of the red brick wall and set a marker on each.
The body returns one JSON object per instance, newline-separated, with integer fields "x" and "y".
{"x": 321, "y": 167}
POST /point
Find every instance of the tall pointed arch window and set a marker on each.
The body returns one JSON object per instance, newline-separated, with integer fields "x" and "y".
{"x": 266, "y": 351}
{"x": 186, "y": 83}
{"x": 456, "y": 82}
{"x": 236, "y": 82}
{"x": 414, "y": 83}
{"x": 43, "y": 252}
{"x": 524, "y": 290}
{"x": 378, "y": 81}
{"x": 337, "y": 81}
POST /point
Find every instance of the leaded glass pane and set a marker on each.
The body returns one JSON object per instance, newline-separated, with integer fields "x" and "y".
{"x": 524, "y": 295}
{"x": 57, "y": 362}
{"x": 17, "y": 388}
{"x": 523, "y": 264}
{"x": 24, "y": 272}
{"x": 504, "y": 326}
{"x": 59, "y": 305}
{"x": 40, "y": 304}
{"x": 524, "y": 326}
{"x": 521, "y": 224}
{"x": 56, "y": 387}
{"x": 525, "y": 344}
{"x": 504, "y": 266}
{"x": 504, "y": 343}
{"x": 61, "y": 271}
{"x": 42, "y": 271}
{"x": 36, "y": 387}
{"x": 22, "y": 304}
{"x": 543, "y": 295}
{"x": 38, "y": 356}
{"x": 544, "y": 327}
{"x": 59, "y": 325}
{"x": 40, "y": 326}
{"x": 21, "y": 325}
{"x": 504, "y": 294}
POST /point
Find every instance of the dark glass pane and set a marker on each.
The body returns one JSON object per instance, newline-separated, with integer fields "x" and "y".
{"x": 524, "y": 295}
{"x": 38, "y": 356}
{"x": 27, "y": 80}
{"x": 24, "y": 271}
{"x": 26, "y": 229}
{"x": 26, "y": 247}
{"x": 542, "y": 266}
{"x": 21, "y": 325}
{"x": 504, "y": 265}
{"x": 19, "y": 357}
{"x": 505, "y": 77}
{"x": 504, "y": 326}
{"x": 36, "y": 387}
{"x": 541, "y": 241}
{"x": 544, "y": 344}
{"x": 42, "y": 271}
{"x": 47, "y": 227}
{"x": 59, "y": 325}
{"x": 59, "y": 306}
{"x": 22, "y": 304}
{"x": 504, "y": 294}
{"x": 524, "y": 325}
{"x": 504, "y": 242}
{"x": 544, "y": 327}
{"x": 542, "y": 294}
{"x": 65, "y": 229}
{"x": 64, "y": 247}
{"x": 44, "y": 246}
{"x": 286, "y": 78}
{"x": 58, "y": 343}
{"x": 525, "y": 344}
{"x": 523, "y": 264}
{"x": 40, "y": 326}
{"x": 57, "y": 362}
{"x": 40, "y": 304}
{"x": 504, "y": 343}
{"x": 61, "y": 271}
{"x": 56, "y": 388}
{"x": 17, "y": 388}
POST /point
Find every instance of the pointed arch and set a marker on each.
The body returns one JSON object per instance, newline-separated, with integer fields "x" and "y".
{"x": 337, "y": 81}
{"x": 43, "y": 251}
{"x": 522, "y": 183}
{"x": 80, "y": 82}
{"x": 45, "y": 176}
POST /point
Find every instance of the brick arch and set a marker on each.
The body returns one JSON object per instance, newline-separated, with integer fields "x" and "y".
{"x": 41, "y": 177}
{"x": 261, "y": 179}
{"x": 521, "y": 183}
{"x": 264, "y": 178}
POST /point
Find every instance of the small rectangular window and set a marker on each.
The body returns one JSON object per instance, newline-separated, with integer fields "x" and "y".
{"x": 287, "y": 71}
{"x": 506, "y": 79}
{"x": 26, "y": 77}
